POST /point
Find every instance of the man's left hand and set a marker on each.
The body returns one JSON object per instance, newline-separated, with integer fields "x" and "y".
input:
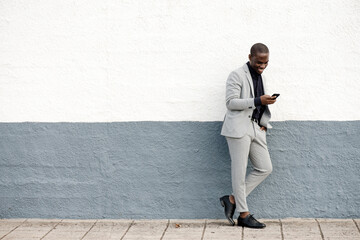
{"x": 263, "y": 129}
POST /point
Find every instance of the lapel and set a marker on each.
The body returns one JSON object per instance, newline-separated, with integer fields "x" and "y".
{"x": 248, "y": 76}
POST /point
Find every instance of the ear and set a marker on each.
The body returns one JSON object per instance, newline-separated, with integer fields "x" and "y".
{"x": 249, "y": 57}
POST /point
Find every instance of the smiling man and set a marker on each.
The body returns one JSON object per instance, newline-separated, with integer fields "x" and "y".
{"x": 245, "y": 125}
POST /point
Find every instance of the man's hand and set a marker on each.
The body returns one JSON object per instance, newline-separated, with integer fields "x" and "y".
{"x": 267, "y": 99}
{"x": 263, "y": 129}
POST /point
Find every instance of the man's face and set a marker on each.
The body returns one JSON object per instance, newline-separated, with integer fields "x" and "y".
{"x": 259, "y": 62}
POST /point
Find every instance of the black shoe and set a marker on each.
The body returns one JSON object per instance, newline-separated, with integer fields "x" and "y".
{"x": 229, "y": 208}
{"x": 250, "y": 222}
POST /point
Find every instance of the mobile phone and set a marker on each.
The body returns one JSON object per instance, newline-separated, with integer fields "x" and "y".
{"x": 276, "y": 95}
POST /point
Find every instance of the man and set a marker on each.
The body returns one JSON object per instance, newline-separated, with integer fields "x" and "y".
{"x": 245, "y": 125}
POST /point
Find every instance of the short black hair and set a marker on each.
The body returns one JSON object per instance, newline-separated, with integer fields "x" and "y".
{"x": 258, "y": 48}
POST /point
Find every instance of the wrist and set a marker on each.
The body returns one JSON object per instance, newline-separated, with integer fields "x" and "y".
{"x": 257, "y": 101}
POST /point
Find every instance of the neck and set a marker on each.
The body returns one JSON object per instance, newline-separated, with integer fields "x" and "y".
{"x": 252, "y": 70}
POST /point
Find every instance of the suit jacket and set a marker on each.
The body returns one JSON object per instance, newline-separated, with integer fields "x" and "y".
{"x": 240, "y": 104}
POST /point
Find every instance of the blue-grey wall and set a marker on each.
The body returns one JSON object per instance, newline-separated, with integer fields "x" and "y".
{"x": 172, "y": 170}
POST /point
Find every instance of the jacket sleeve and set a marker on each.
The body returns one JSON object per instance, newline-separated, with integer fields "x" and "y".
{"x": 233, "y": 91}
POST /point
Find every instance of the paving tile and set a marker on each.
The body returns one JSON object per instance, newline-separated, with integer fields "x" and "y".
{"x": 68, "y": 229}
{"x": 3, "y": 233}
{"x": 117, "y": 221}
{"x": 358, "y": 223}
{"x": 21, "y": 238}
{"x": 83, "y": 221}
{"x": 339, "y": 229}
{"x": 307, "y": 229}
{"x": 184, "y": 229}
{"x": 10, "y": 224}
{"x": 12, "y": 220}
{"x": 64, "y": 235}
{"x": 71, "y": 229}
{"x": 146, "y": 229}
{"x": 271, "y": 231}
{"x": 39, "y": 220}
{"x": 217, "y": 229}
{"x": 108, "y": 229}
{"x": 74, "y": 225}
{"x": 38, "y": 225}
{"x": 25, "y": 235}
{"x": 32, "y": 228}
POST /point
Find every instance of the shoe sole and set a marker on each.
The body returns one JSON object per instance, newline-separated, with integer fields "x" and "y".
{"x": 249, "y": 227}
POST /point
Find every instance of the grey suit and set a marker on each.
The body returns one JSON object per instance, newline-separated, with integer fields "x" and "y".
{"x": 244, "y": 136}
{"x": 240, "y": 104}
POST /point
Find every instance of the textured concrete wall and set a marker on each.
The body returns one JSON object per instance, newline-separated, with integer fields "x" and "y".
{"x": 172, "y": 170}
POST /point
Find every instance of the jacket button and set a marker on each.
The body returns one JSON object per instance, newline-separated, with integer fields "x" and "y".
{"x": 249, "y": 116}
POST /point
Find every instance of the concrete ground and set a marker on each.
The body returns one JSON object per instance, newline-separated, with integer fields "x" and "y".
{"x": 187, "y": 229}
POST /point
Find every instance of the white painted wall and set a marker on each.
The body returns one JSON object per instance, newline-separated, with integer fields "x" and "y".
{"x": 163, "y": 60}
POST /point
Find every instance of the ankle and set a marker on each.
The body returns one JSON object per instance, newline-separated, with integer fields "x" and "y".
{"x": 232, "y": 199}
{"x": 244, "y": 214}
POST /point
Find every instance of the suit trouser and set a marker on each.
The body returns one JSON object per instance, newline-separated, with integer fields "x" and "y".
{"x": 253, "y": 145}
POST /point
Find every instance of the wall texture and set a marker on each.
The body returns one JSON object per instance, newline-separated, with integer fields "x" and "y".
{"x": 113, "y": 109}
{"x": 172, "y": 170}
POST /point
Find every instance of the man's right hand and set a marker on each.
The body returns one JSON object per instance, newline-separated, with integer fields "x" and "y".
{"x": 267, "y": 99}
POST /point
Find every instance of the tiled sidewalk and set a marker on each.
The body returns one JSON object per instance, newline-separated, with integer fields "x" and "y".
{"x": 187, "y": 229}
